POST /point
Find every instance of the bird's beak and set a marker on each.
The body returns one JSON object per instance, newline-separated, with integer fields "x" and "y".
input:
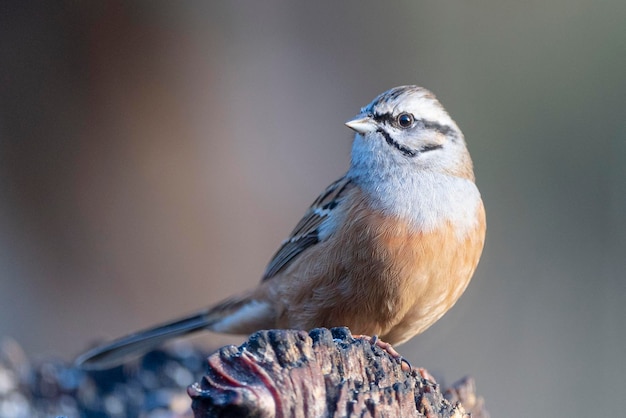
{"x": 362, "y": 124}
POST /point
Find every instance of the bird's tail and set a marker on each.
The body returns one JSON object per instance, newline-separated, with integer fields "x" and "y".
{"x": 240, "y": 315}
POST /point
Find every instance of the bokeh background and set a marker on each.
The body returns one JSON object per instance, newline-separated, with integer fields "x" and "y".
{"x": 153, "y": 155}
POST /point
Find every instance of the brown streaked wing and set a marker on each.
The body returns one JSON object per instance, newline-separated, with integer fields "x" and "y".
{"x": 306, "y": 232}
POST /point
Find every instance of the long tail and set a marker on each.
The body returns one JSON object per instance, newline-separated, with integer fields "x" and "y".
{"x": 238, "y": 316}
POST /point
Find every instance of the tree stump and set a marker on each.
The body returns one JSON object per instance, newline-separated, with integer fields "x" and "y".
{"x": 325, "y": 373}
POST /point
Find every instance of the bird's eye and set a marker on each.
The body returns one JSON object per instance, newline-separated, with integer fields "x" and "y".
{"x": 405, "y": 120}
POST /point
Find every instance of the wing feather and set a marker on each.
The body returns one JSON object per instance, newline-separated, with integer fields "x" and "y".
{"x": 307, "y": 231}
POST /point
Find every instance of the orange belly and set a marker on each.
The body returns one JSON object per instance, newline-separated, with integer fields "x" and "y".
{"x": 390, "y": 281}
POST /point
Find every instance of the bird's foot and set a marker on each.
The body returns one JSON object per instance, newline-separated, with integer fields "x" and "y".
{"x": 388, "y": 348}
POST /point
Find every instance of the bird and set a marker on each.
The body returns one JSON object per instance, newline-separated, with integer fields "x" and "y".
{"x": 386, "y": 250}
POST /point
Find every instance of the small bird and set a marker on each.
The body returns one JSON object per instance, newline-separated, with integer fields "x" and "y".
{"x": 385, "y": 250}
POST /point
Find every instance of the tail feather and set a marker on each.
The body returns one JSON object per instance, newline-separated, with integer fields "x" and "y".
{"x": 236, "y": 316}
{"x": 133, "y": 345}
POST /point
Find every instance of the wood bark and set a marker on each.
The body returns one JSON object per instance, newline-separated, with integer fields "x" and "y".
{"x": 323, "y": 373}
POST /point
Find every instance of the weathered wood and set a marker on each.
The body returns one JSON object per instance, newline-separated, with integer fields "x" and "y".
{"x": 325, "y": 373}
{"x": 464, "y": 392}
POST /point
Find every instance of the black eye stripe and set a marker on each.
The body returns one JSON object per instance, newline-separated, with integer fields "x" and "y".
{"x": 442, "y": 129}
{"x": 389, "y": 119}
{"x": 383, "y": 118}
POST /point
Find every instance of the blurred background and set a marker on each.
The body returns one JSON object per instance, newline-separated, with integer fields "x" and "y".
{"x": 153, "y": 155}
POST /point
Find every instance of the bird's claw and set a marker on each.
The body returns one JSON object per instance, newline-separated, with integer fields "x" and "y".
{"x": 388, "y": 348}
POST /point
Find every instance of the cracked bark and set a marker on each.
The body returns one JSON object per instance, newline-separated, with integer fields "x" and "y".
{"x": 324, "y": 373}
